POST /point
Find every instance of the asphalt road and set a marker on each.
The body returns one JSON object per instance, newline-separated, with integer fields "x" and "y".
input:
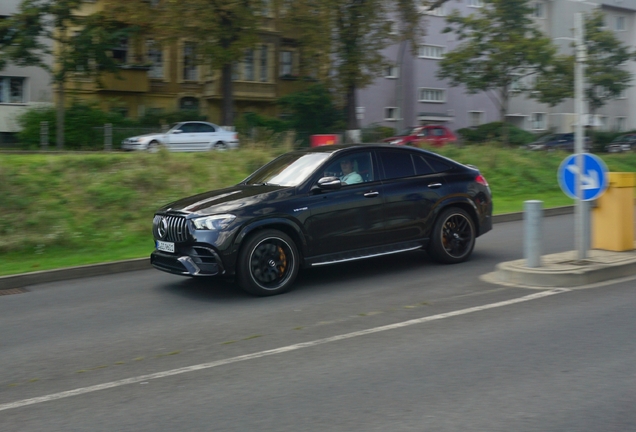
{"x": 391, "y": 344}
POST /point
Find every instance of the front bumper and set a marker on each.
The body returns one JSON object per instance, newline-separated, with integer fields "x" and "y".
{"x": 199, "y": 261}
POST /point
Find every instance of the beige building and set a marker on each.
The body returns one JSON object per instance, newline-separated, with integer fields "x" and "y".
{"x": 155, "y": 79}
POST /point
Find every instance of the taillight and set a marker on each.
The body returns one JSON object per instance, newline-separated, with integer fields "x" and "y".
{"x": 481, "y": 180}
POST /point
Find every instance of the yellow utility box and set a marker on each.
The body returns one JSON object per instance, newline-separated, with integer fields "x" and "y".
{"x": 613, "y": 216}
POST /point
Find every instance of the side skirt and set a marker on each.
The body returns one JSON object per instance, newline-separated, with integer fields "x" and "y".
{"x": 363, "y": 254}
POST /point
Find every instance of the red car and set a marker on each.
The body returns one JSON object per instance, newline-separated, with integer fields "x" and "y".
{"x": 435, "y": 135}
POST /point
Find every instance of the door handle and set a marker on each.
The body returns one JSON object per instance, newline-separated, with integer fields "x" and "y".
{"x": 434, "y": 185}
{"x": 371, "y": 194}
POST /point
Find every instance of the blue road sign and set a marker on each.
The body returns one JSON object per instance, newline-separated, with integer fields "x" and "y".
{"x": 593, "y": 177}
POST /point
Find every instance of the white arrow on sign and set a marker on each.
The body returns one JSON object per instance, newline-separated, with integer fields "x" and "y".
{"x": 589, "y": 181}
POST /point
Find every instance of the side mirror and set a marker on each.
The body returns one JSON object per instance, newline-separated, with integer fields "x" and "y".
{"x": 178, "y": 131}
{"x": 328, "y": 183}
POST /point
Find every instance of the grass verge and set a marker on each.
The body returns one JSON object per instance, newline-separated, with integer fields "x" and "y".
{"x": 61, "y": 210}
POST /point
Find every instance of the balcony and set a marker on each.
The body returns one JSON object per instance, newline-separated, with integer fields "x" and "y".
{"x": 254, "y": 90}
{"x": 130, "y": 78}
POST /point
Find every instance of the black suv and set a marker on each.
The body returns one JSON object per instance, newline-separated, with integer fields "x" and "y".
{"x": 325, "y": 205}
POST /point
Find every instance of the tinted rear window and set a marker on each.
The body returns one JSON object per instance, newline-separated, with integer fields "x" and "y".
{"x": 397, "y": 164}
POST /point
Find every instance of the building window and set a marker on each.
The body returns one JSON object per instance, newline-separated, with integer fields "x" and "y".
{"x": 12, "y": 90}
{"x": 476, "y": 118}
{"x": 538, "y": 121}
{"x": 189, "y": 62}
{"x": 390, "y": 113}
{"x": 620, "y": 124}
{"x": 236, "y": 73}
{"x": 248, "y": 65}
{"x": 155, "y": 57}
{"x": 189, "y": 103}
{"x": 475, "y": 3}
{"x": 620, "y": 23}
{"x": 517, "y": 83}
{"x": 431, "y": 51}
{"x": 264, "y": 68}
{"x": 538, "y": 10}
{"x": 120, "y": 52}
{"x": 392, "y": 72}
{"x": 432, "y": 95}
{"x": 438, "y": 11}
{"x": 285, "y": 62}
{"x": 602, "y": 122}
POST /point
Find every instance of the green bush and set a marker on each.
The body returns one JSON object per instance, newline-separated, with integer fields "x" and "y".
{"x": 81, "y": 126}
{"x": 492, "y": 132}
{"x": 158, "y": 119}
{"x": 376, "y": 133}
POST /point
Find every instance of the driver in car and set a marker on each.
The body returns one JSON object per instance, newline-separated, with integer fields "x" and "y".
{"x": 349, "y": 176}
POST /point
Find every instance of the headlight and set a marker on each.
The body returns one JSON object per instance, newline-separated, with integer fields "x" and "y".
{"x": 396, "y": 142}
{"x": 214, "y": 222}
{"x": 133, "y": 140}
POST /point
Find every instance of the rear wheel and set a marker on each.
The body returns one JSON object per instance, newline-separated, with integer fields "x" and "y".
{"x": 220, "y": 146}
{"x": 268, "y": 263}
{"x": 453, "y": 237}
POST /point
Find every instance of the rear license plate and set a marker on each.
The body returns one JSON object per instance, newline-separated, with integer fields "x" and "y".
{"x": 165, "y": 246}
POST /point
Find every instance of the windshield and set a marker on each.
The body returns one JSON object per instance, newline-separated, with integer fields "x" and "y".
{"x": 406, "y": 132}
{"x": 288, "y": 170}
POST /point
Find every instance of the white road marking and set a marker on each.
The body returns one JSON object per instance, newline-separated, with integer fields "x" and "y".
{"x": 144, "y": 378}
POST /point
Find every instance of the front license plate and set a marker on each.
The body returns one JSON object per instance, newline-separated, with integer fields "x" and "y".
{"x": 165, "y": 246}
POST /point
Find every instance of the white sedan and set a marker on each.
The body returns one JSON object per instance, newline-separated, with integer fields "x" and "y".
{"x": 185, "y": 137}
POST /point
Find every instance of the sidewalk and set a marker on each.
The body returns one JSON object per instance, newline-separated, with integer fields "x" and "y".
{"x": 565, "y": 270}
{"x": 557, "y": 270}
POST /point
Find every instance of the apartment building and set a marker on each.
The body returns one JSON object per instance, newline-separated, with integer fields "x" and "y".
{"x": 410, "y": 93}
{"x": 20, "y": 88}
{"x": 155, "y": 79}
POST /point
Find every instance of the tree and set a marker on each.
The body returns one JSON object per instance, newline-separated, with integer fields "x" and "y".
{"x": 351, "y": 35}
{"x": 79, "y": 44}
{"x": 312, "y": 110}
{"x": 605, "y": 77}
{"x": 500, "y": 46}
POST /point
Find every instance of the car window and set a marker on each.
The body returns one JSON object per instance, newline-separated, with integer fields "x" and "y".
{"x": 352, "y": 168}
{"x": 205, "y": 128}
{"x": 437, "y": 164}
{"x": 188, "y": 128}
{"x": 396, "y": 164}
{"x": 421, "y": 166}
{"x": 438, "y": 132}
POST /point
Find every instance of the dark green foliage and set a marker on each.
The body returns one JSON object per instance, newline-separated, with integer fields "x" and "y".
{"x": 377, "y": 133}
{"x": 82, "y": 127}
{"x": 493, "y": 132}
{"x": 250, "y": 120}
{"x": 156, "y": 120}
{"x": 312, "y": 111}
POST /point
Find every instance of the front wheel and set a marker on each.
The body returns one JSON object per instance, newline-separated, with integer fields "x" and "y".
{"x": 453, "y": 237}
{"x": 268, "y": 263}
{"x": 153, "y": 147}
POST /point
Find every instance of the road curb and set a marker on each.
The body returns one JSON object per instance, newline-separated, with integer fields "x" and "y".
{"x": 39, "y": 277}
{"x": 562, "y": 269}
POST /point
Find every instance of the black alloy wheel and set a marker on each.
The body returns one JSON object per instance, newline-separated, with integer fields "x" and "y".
{"x": 453, "y": 237}
{"x": 268, "y": 263}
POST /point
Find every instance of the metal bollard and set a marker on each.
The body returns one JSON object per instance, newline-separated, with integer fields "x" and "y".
{"x": 44, "y": 135}
{"x": 532, "y": 229}
{"x": 108, "y": 137}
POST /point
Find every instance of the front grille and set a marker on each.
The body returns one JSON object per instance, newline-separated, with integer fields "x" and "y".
{"x": 176, "y": 228}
